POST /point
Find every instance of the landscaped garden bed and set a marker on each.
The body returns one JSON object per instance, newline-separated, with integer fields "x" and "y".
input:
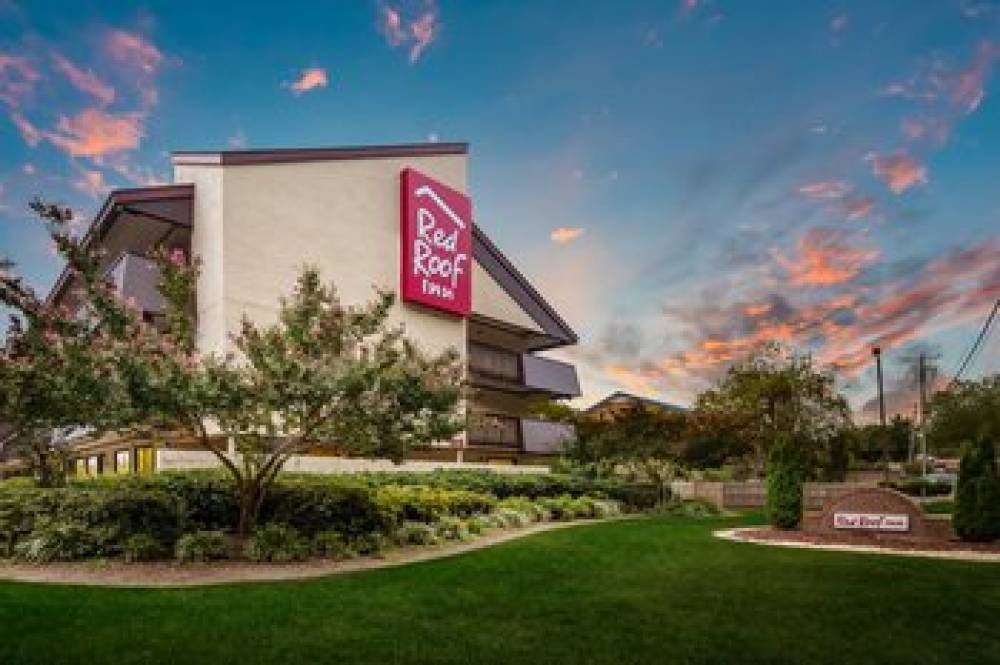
{"x": 189, "y": 518}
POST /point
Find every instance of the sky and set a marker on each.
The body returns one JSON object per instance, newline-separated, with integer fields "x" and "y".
{"x": 684, "y": 181}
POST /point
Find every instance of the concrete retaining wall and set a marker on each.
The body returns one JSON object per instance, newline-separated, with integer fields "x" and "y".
{"x": 179, "y": 460}
{"x": 753, "y": 494}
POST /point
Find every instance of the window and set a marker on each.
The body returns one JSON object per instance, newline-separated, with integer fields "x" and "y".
{"x": 145, "y": 459}
{"x": 80, "y": 468}
{"x": 94, "y": 465}
{"x": 123, "y": 462}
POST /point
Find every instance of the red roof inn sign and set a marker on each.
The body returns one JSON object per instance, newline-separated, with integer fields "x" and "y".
{"x": 872, "y": 521}
{"x": 436, "y": 237}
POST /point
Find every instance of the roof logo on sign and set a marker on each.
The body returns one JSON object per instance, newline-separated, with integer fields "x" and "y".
{"x": 425, "y": 190}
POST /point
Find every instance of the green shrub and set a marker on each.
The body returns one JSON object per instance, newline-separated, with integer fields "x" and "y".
{"x": 368, "y": 544}
{"x": 525, "y": 506}
{"x": 142, "y": 547}
{"x": 976, "y": 516}
{"x": 920, "y": 487}
{"x": 428, "y": 504}
{"x": 277, "y": 543}
{"x": 784, "y": 483}
{"x": 477, "y": 524}
{"x": 314, "y": 507}
{"x": 691, "y": 508}
{"x": 562, "y": 508}
{"x": 201, "y": 546}
{"x": 330, "y": 544}
{"x": 634, "y": 496}
{"x": 57, "y": 541}
{"x": 452, "y": 528}
{"x": 513, "y": 519}
{"x": 416, "y": 533}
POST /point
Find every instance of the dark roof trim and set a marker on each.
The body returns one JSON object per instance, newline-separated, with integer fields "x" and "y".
{"x": 280, "y": 155}
{"x": 517, "y": 287}
{"x": 120, "y": 200}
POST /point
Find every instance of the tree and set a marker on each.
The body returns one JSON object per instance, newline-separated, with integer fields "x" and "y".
{"x": 641, "y": 441}
{"x": 964, "y": 412}
{"x": 872, "y": 441}
{"x": 775, "y": 392}
{"x": 322, "y": 375}
{"x": 52, "y": 379}
{"x": 977, "y": 497}
{"x": 784, "y": 482}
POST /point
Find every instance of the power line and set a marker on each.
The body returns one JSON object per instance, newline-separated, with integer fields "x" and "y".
{"x": 976, "y": 344}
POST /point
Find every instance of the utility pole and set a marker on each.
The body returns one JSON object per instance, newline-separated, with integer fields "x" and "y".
{"x": 877, "y": 352}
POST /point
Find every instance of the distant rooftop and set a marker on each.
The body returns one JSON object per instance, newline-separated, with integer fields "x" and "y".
{"x": 621, "y": 396}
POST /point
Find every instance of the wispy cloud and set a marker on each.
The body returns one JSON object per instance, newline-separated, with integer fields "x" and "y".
{"x": 84, "y": 79}
{"x": 17, "y": 79}
{"x": 413, "y": 24}
{"x": 825, "y": 189}
{"x": 91, "y": 183}
{"x": 899, "y": 171}
{"x": 566, "y": 234}
{"x": 31, "y": 134}
{"x": 824, "y": 257}
{"x": 134, "y": 49}
{"x": 309, "y": 79}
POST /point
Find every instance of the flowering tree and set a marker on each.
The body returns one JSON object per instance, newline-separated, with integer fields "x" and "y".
{"x": 322, "y": 375}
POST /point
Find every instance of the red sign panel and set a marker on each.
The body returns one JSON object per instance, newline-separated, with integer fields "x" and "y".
{"x": 436, "y": 251}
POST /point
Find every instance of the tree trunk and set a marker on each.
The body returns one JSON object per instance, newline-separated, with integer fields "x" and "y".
{"x": 251, "y": 495}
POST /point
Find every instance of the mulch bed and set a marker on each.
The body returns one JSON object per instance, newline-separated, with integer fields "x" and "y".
{"x": 885, "y": 541}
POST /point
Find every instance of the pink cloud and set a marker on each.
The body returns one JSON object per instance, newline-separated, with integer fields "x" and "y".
{"x": 392, "y": 26}
{"x": 858, "y": 207}
{"x": 133, "y": 49}
{"x": 969, "y": 88}
{"x": 92, "y": 183}
{"x": 17, "y": 79}
{"x": 412, "y": 24}
{"x": 899, "y": 172}
{"x": 566, "y": 234}
{"x": 31, "y": 134}
{"x": 825, "y": 189}
{"x": 424, "y": 31}
{"x": 84, "y": 79}
{"x": 94, "y": 133}
{"x": 825, "y": 257}
{"x": 309, "y": 79}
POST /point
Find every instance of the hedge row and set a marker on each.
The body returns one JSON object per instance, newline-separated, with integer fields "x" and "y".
{"x": 147, "y": 517}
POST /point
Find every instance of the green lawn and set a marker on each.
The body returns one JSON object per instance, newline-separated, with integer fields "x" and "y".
{"x": 646, "y": 591}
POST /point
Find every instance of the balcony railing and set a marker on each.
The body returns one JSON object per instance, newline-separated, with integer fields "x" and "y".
{"x": 544, "y": 437}
{"x": 527, "y": 434}
{"x": 494, "y": 430}
{"x": 551, "y": 376}
{"x": 530, "y": 372}
{"x": 494, "y": 362}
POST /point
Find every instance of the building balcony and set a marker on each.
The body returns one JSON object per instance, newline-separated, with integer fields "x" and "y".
{"x": 492, "y": 366}
{"x": 528, "y": 435}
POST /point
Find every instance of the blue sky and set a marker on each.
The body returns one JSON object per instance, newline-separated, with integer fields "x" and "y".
{"x": 684, "y": 180}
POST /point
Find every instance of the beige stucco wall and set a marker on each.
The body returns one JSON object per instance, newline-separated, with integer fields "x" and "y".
{"x": 207, "y": 245}
{"x": 340, "y": 216}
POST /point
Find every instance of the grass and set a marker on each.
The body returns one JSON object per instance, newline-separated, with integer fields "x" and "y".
{"x": 659, "y": 590}
{"x": 939, "y": 507}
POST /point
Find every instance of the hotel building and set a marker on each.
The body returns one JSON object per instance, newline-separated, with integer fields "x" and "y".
{"x": 389, "y": 216}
